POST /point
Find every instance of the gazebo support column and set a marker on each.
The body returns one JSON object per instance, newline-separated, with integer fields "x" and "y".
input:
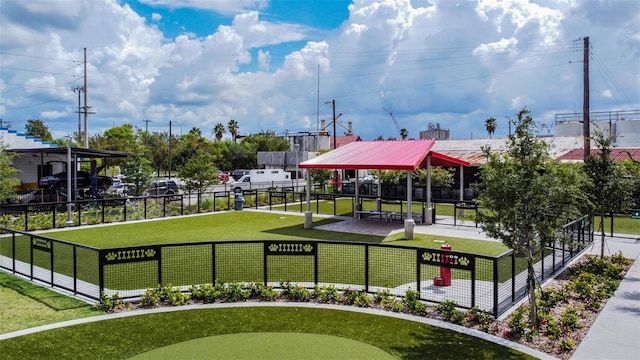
{"x": 357, "y": 206}
{"x": 308, "y": 216}
{"x": 409, "y": 223}
{"x": 460, "y": 213}
{"x": 428, "y": 211}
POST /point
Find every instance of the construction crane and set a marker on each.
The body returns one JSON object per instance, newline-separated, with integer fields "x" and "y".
{"x": 395, "y": 122}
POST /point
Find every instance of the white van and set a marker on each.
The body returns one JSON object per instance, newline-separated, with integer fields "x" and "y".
{"x": 262, "y": 179}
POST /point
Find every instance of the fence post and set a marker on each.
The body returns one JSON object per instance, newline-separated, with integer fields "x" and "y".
{"x": 542, "y": 259}
{"x": 75, "y": 269}
{"x": 366, "y": 268}
{"x": 513, "y": 276}
{"x": 160, "y": 265}
{"x": 101, "y": 257}
{"x": 30, "y": 257}
{"x": 495, "y": 287}
{"x": 213, "y": 260}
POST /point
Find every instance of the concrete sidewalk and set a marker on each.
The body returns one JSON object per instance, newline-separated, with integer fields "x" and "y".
{"x": 616, "y": 332}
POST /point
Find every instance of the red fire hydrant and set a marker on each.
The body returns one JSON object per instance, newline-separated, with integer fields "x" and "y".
{"x": 445, "y": 272}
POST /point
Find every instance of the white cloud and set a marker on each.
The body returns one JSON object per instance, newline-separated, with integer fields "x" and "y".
{"x": 441, "y": 62}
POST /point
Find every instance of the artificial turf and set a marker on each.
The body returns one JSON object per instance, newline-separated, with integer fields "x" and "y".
{"x": 128, "y": 336}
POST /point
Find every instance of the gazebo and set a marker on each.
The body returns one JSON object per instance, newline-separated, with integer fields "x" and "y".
{"x": 405, "y": 155}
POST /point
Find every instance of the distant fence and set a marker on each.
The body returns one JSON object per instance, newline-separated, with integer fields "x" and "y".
{"x": 493, "y": 284}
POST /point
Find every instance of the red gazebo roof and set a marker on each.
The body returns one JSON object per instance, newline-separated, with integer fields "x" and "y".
{"x": 382, "y": 155}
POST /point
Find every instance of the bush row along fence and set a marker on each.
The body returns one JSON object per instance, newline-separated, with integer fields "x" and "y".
{"x": 493, "y": 284}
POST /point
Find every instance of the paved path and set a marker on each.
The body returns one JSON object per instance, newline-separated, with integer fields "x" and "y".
{"x": 616, "y": 332}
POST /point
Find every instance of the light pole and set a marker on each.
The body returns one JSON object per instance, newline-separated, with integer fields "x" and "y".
{"x": 297, "y": 147}
{"x": 69, "y": 221}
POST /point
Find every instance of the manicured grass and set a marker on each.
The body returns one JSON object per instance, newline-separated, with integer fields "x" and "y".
{"x": 338, "y": 264}
{"x": 24, "y": 305}
{"x": 280, "y": 345}
{"x": 129, "y": 336}
{"x": 621, "y": 225}
{"x": 241, "y": 225}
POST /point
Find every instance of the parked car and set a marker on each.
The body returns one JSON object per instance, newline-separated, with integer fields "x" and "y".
{"x": 82, "y": 180}
{"x": 223, "y": 176}
{"x": 36, "y": 196}
{"x": 163, "y": 187}
{"x": 238, "y": 173}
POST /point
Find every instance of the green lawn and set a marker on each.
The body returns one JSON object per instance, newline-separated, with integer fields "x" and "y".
{"x": 126, "y": 337}
{"x": 237, "y": 262}
{"x": 24, "y": 305}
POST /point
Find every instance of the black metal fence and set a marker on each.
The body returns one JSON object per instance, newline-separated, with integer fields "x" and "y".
{"x": 492, "y": 284}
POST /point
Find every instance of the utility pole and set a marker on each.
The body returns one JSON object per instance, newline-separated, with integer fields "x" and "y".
{"x": 146, "y": 125}
{"x": 86, "y": 107}
{"x": 585, "y": 100}
{"x": 333, "y": 103}
{"x": 79, "y": 90}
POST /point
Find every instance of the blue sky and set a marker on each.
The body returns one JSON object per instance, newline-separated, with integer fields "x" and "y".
{"x": 272, "y": 65}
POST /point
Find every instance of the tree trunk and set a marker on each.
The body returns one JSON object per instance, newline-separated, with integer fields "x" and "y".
{"x": 531, "y": 283}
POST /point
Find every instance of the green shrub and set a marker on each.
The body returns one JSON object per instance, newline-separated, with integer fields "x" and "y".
{"x": 110, "y": 303}
{"x": 517, "y": 324}
{"x": 235, "y": 292}
{"x": 449, "y": 312}
{"x": 475, "y": 316}
{"x": 174, "y": 296}
{"x": 349, "y": 296}
{"x": 412, "y": 302}
{"x": 382, "y": 296}
{"x": 570, "y": 319}
{"x": 295, "y": 292}
{"x": 362, "y": 300}
{"x": 267, "y": 292}
{"x": 327, "y": 293}
{"x": 396, "y": 306}
{"x": 567, "y": 345}
{"x": 151, "y": 297}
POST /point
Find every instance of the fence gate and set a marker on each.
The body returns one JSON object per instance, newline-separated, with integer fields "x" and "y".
{"x": 448, "y": 275}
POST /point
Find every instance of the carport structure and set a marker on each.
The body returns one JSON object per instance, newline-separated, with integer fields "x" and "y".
{"x": 405, "y": 155}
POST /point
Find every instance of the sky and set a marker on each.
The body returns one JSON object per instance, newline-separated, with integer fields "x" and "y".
{"x": 281, "y": 65}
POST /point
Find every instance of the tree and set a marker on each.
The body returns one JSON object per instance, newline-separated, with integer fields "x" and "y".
{"x": 526, "y": 195}
{"x": 404, "y": 133}
{"x": 233, "y": 129}
{"x": 8, "y": 179}
{"x": 219, "y": 130}
{"x": 38, "y": 129}
{"x": 610, "y": 191}
{"x": 198, "y": 173}
{"x": 491, "y": 126}
{"x": 137, "y": 170}
{"x": 120, "y": 138}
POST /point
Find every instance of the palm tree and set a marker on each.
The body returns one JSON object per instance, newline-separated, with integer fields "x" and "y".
{"x": 219, "y": 129}
{"x": 491, "y": 126}
{"x": 404, "y": 133}
{"x": 233, "y": 129}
